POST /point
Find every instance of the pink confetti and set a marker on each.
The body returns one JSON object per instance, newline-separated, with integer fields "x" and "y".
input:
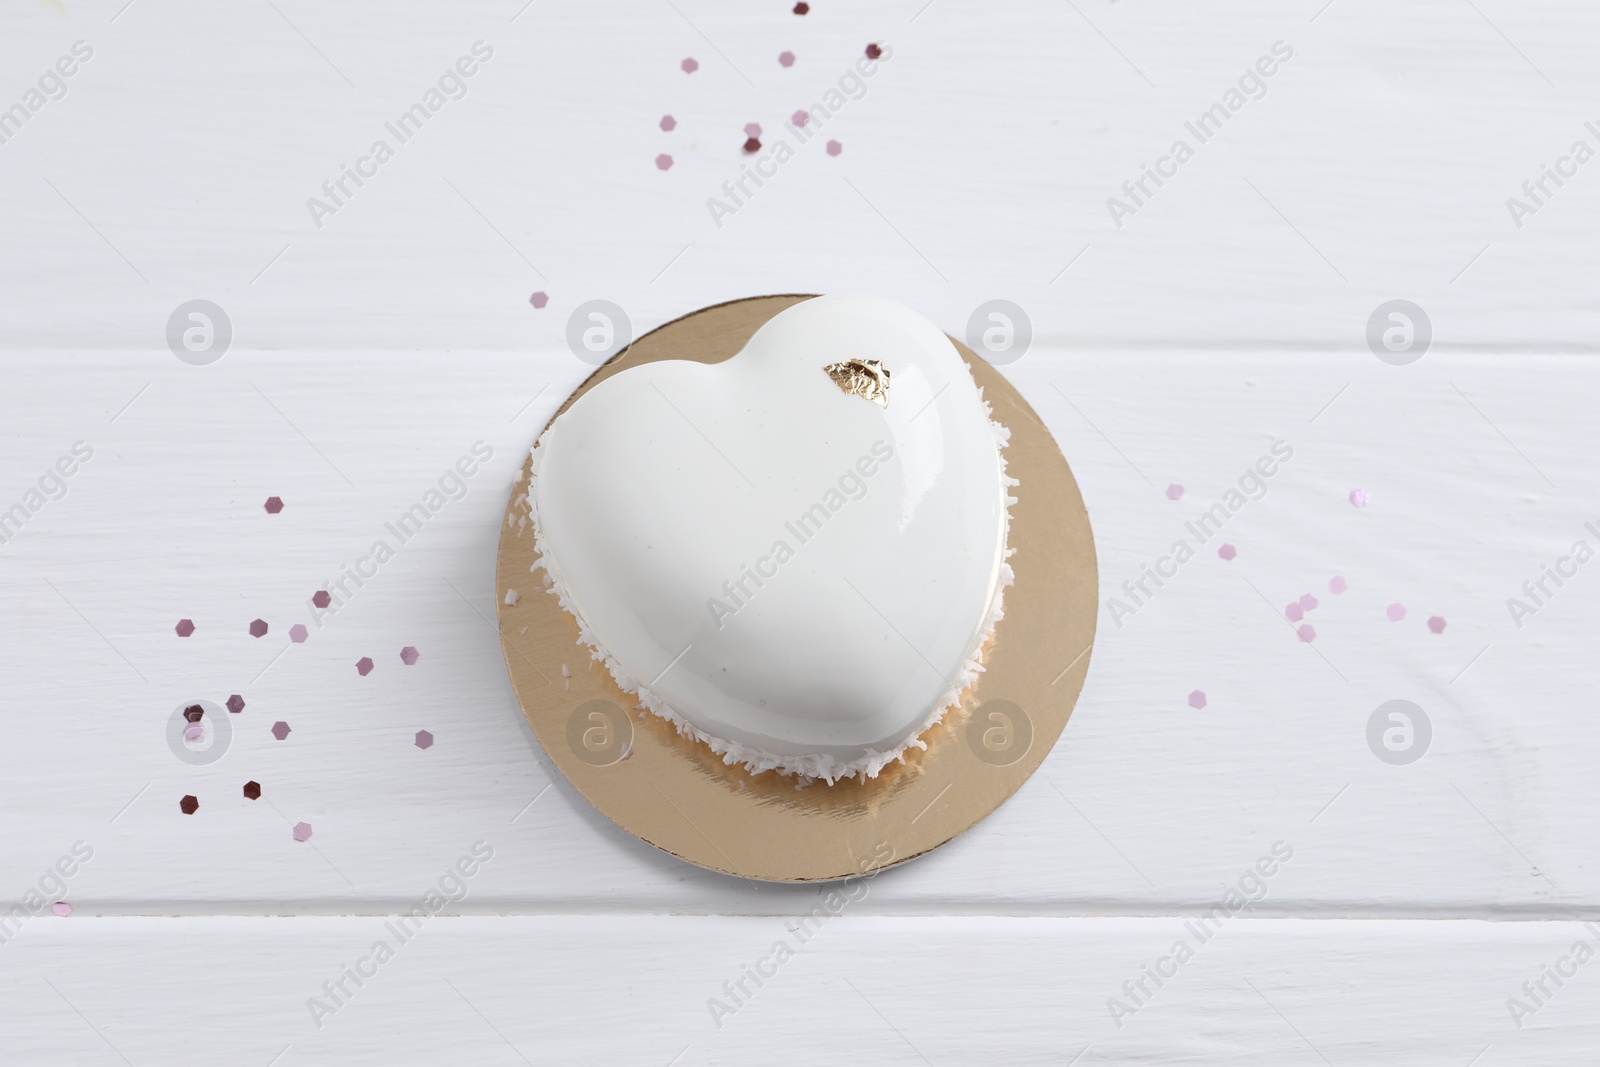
{"x": 258, "y": 628}
{"x": 1437, "y": 624}
{"x": 364, "y": 666}
{"x": 800, "y": 117}
{"x": 1397, "y": 612}
{"x": 1197, "y": 700}
{"x": 834, "y": 148}
{"x": 236, "y": 703}
{"x": 1174, "y": 491}
{"x": 321, "y": 598}
{"x": 539, "y": 299}
{"x": 274, "y": 505}
{"x": 1337, "y": 585}
{"x": 752, "y": 129}
{"x": 194, "y": 732}
{"x": 298, "y": 633}
{"x": 184, "y": 628}
{"x": 786, "y": 59}
{"x": 690, "y": 65}
{"x": 1308, "y": 602}
{"x": 280, "y": 730}
{"x": 424, "y": 739}
{"x": 1358, "y": 497}
{"x": 302, "y": 831}
{"x": 408, "y": 655}
{"x": 668, "y": 123}
{"x": 1307, "y": 634}
{"x": 61, "y": 908}
{"x": 1227, "y": 552}
{"x": 1294, "y": 612}
{"x": 664, "y": 161}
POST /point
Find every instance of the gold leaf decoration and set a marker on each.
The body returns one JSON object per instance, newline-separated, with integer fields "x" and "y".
{"x": 867, "y": 378}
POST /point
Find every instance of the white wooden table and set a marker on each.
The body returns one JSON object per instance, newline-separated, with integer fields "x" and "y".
{"x": 374, "y": 344}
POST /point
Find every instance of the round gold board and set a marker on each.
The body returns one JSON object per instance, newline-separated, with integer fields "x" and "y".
{"x": 678, "y": 795}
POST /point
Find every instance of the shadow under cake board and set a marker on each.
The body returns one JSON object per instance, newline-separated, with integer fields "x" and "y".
{"x": 678, "y": 795}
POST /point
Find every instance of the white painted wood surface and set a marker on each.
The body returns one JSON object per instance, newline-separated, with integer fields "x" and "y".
{"x": 368, "y": 355}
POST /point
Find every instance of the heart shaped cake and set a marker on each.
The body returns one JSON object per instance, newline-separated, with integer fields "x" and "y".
{"x": 795, "y": 555}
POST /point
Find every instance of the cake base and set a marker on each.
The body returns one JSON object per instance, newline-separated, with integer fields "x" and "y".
{"x": 675, "y": 793}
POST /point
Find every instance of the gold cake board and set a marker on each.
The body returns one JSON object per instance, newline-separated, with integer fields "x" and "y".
{"x": 678, "y": 795}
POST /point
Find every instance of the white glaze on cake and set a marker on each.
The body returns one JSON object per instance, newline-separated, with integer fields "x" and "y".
{"x": 668, "y": 503}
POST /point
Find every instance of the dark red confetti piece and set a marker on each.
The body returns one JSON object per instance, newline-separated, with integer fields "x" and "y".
{"x": 321, "y": 598}
{"x": 193, "y": 713}
{"x": 258, "y": 628}
{"x": 752, "y": 145}
{"x": 802, "y": 8}
{"x": 874, "y": 52}
{"x": 236, "y": 703}
{"x": 252, "y": 790}
{"x": 189, "y": 805}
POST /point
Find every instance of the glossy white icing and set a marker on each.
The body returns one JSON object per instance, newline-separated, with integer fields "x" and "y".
{"x": 797, "y": 576}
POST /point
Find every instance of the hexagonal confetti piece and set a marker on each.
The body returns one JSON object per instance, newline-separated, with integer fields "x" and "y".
{"x": 1174, "y": 491}
{"x": 302, "y": 831}
{"x": 189, "y": 805}
{"x": 664, "y": 162}
{"x": 184, "y": 628}
{"x": 1397, "y": 612}
{"x": 874, "y": 51}
{"x": 364, "y": 666}
{"x": 1307, "y": 633}
{"x": 298, "y": 633}
{"x": 834, "y": 148}
{"x": 194, "y": 733}
{"x": 800, "y": 117}
{"x": 1294, "y": 612}
{"x": 1308, "y": 602}
{"x": 1227, "y": 552}
{"x": 194, "y": 713}
{"x": 408, "y": 655}
{"x": 252, "y": 790}
{"x": 1337, "y": 585}
{"x": 752, "y": 145}
{"x": 539, "y": 299}
{"x": 1358, "y": 497}
{"x": 236, "y": 703}
{"x": 1437, "y": 624}
{"x": 274, "y": 505}
{"x": 1197, "y": 700}
{"x": 689, "y": 65}
{"x": 424, "y": 739}
{"x": 258, "y": 628}
{"x": 668, "y": 123}
{"x": 802, "y": 7}
{"x": 61, "y": 908}
{"x": 321, "y": 598}
{"x": 785, "y": 59}
{"x": 752, "y": 129}
{"x": 280, "y": 730}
